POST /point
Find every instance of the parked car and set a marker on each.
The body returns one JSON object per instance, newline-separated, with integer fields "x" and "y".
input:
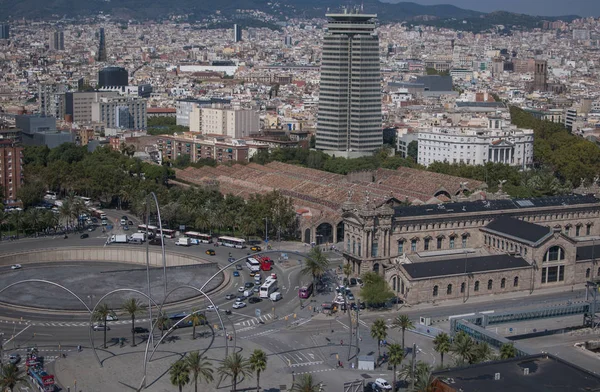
{"x": 383, "y": 384}
{"x": 84, "y": 235}
{"x": 16, "y": 266}
{"x": 239, "y": 267}
{"x": 14, "y": 358}
{"x": 239, "y": 305}
{"x": 236, "y": 273}
{"x": 210, "y": 252}
{"x": 229, "y": 296}
{"x": 254, "y": 300}
{"x": 256, "y": 248}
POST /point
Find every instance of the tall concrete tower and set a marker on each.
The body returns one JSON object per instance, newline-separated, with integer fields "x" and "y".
{"x": 237, "y": 33}
{"x": 540, "y": 76}
{"x": 57, "y": 40}
{"x": 101, "y": 45}
{"x": 349, "y": 117}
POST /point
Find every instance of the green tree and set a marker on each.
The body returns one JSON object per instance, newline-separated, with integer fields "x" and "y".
{"x": 379, "y": 333}
{"x": 463, "y": 347}
{"x": 16, "y": 220}
{"x": 483, "y": 352}
{"x": 402, "y": 322}
{"x": 101, "y": 314}
{"x": 316, "y": 264}
{"x": 507, "y": 351}
{"x": 199, "y": 367}
{"x": 11, "y": 376}
{"x": 163, "y": 322}
{"x": 441, "y": 344}
{"x": 375, "y": 289}
{"x": 196, "y": 319}
{"x": 258, "y": 364}
{"x": 235, "y": 366}
{"x": 31, "y": 194}
{"x": 133, "y": 308}
{"x": 412, "y": 150}
{"x": 179, "y": 374}
{"x": 305, "y": 383}
{"x": 347, "y": 270}
{"x": 396, "y": 356}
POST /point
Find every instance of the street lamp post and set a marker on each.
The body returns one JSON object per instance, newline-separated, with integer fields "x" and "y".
{"x": 266, "y": 230}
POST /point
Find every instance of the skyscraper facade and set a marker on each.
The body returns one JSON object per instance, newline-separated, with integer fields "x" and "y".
{"x": 237, "y": 33}
{"x": 4, "y": 31}
{"x": 349, "y": 116}
{"x": 101, "y": 45}
{"x": 57, "y": 40}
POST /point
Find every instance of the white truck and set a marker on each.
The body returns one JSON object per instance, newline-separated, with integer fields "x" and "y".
{"x": 183, "y": 241}
{"x": 138, "y": 237}
{"x": 118, "y": 239}
{"x": 276, "y": 296}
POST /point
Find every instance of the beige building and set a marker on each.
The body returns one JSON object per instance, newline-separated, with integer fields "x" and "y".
{"x": 484, "y": 247}
{"x": 82, "y": 104}
{"x": 218, "y": 120}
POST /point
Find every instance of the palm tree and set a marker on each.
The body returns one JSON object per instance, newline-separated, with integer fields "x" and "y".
{"x": 235, "y": 366}
{"x": 16, "y": 220}
{"x": 101, "y": 314}
{"x": 133, "y": 308}
{"x": 196, "y": 319}
{"x": 305, "y": 383}
{"x": 483, "y": 352}
{"x": 403, "y": 323}
{"x": 397, "y": 355}
{"x": 180, "y": 374}
{"x": 379, "y": 332}
{"x": 64, "y": 212}
{"x": 347, "y": 271}
{"x": 200, "y": 368}
{"x": 3, "y": 220}
{"x": 10, "y": 376}
{"x": 464, "y": 348}
{"x": 316, "y": 264}
{"x": 441, "y": 344}
{"x": 507, "y": 351}
{"x": 258, "y": 364}
{"x": 163, "y": 322}
{"x": 34, "y": 217}
{"x": 422, "y": 378}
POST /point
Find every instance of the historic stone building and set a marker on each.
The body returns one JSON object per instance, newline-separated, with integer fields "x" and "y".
{"x": 461, "y": 249}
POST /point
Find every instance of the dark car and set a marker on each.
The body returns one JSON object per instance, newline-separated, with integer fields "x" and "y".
{"x": 372, "y": 387}
{"x": 84, "y": 235}
{"x": 155, "y": 241}
{"x": 254, "y": 300}
{"x": 140, "y": 330}
{"x": 130, "y": 223}
{"x": 248, "y": 285}
{"x": 231, "y": 259}
{"x": 239, "y": 267}
{"x": 229, "y": 296}
{"x": 124, "y": 217}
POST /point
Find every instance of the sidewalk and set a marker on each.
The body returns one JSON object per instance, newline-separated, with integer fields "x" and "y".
{"x": 123, "y": 367}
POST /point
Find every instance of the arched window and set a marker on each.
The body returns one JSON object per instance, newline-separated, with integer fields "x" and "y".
{"x": 588, "y": 229}
{"x": 376, "y": 268}
{"x": 394, "y": 283}
{"x": 587, "y": 272}
{"x": 476, "y": 287}
{"x": 462, "y": 287}
{"x": 516, "y": 282}
{"x": 435, "y": 291}
{"x": 503, "y": 283}
{"x": 400, "y": 247}
{"x": 490, "y": 284}
{"x": 555, "y": 253}
{"x": 449, "y": 290}
{"x": 464, "y": 240}
{"x": 353, "y": 246}
{"x": 348, "y": 244}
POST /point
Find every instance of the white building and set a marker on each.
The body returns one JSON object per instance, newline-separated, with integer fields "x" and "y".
{"x": 404, "y": 137}
{"x": 120, "y": 112}
{"x": 218, "y": 120}
{"x": 499, "y": 142}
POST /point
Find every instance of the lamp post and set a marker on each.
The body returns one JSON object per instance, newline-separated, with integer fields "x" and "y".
{"x": 266, "y": 229}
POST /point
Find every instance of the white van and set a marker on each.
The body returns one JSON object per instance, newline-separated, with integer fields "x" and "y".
{"x": 183, "y": 241}
{"x": 276, "y": 296}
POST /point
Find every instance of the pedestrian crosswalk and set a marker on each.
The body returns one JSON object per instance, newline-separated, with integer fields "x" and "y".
{"x": 255, "y": 320}
{"x": 67, "y": 323}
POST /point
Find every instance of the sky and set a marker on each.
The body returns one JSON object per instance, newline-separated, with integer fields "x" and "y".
{"x": 582, "y": 8}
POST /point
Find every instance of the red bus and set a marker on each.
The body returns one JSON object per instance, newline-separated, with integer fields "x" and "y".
{"x": 265, "y": 265}
{"x": 305, "y": 291}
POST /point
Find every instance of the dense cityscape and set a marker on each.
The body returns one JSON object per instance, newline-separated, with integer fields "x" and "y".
{"x": 298, "y": 197}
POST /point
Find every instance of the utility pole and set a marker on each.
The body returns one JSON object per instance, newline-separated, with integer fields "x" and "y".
{"x": 357, "y": 337}
{"x": 413, "y": 367}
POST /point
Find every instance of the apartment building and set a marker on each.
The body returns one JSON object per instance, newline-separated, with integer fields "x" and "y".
{"x": 78, "y": 105}
{"x": 219, "y": 120}
{"x": 499, "y": 143}
{"x": 11, "y": 170}
{"x": 52, "y": 100}
{"x": 120, "y": 112}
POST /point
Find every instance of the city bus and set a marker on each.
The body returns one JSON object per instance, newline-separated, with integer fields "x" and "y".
{"x": 305, "y": 291}
{"x": 253, "y": 264}
{"x": 266, "y": 264}
{"x": 168, "y": 233}
{"x": 201, "y": 237}
{"x": 231, "y": 242}
{"x": 145, "y": 229}
{"x": 268, "y": 288}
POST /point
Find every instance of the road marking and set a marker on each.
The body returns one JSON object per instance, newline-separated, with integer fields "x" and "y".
{"x": 20, "y": 332}
{"x": 345, "y": 326}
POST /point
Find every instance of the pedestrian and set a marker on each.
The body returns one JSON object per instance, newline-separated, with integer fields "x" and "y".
{"x": 352, "y": 365}
{"x": 341, "y": 342}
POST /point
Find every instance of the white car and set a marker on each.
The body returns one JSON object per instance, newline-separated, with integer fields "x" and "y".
{"x": 239, "y": 305}
{"x": 241, "y": 289}
{"x": 111, "y": 317}
{"x": 383, "y": 384}
{"x": 16, "y": 266}
{"x": 212, "y": 308}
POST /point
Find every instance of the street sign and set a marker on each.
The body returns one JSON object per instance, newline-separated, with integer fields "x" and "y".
{"x": 257, "y": 312}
